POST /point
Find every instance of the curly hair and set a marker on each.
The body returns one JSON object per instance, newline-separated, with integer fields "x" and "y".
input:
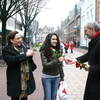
{"x": 47, "y": 44}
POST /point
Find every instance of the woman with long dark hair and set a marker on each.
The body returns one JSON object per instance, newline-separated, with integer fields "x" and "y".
{"x": 52, "y": 71}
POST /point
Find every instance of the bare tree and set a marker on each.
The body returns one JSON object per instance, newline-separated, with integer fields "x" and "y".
{"x": 8, "y": 8}
{"x": 31, "y": 9}
{"x": 32, "y": 32}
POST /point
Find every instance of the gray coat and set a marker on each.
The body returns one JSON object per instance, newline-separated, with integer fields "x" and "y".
{"x": 13, "y": 59}
{"x": 92, "y": 89}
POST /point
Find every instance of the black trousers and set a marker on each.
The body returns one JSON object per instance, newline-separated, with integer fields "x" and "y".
{"x": 19, "y": 99}
{"x": 71, "y": 51}
{"x": 66, "y": 50}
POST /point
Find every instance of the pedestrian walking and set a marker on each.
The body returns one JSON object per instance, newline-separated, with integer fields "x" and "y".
{"x": 52, "y": 71}
{"x": 20, "y": 80}
{"x": 92, "y": 89}
{"x": 71, "y": 45}
{"x": 66, "y": 44}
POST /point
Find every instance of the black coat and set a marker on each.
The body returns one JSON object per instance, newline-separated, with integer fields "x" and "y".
{"x": 92, "y": 89}
{"x": 13, "y": 60}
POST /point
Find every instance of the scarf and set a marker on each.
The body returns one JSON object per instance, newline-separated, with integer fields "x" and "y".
{"x": 97, "y": 33}
{"x": 24, "y": 69}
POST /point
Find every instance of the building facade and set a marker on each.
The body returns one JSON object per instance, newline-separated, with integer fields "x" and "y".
{"x": 71, "y": 26}
{"x": 74, "y": 25}
{"x": 97, "y": 18}
{"x": 88, "y": 12}
{"x": 13, "y": 24}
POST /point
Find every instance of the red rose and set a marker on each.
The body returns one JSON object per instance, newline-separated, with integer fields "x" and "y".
{"x": 39, "y": 42}
{"x": 83, "y": 65}
{"x": 77, "y": 64}
{"x": 56, "y": 53}
{"x": 51, "y": 48}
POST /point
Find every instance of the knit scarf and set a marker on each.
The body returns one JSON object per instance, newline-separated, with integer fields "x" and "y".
{"x": 24, "y": 69}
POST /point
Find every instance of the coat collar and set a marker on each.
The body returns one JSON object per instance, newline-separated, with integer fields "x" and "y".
{"x": 12, "y": 50}
{"x": 93, "y": 41}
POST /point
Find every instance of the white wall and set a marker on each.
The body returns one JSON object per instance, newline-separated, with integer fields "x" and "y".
{"x": 11, "y": 24}
{"x": 87, "y": 14}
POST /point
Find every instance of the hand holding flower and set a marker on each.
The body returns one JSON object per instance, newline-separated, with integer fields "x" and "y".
{"x": 88, "y": 67}
{"x": 56, "y": 53}
{"x": 61, "y": 59}
{"x": 81, "y": 65}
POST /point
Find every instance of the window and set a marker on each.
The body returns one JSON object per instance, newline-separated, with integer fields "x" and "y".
{"x": 87, "y": 16}
{"x": 91, "y": 14}
{"x": 10, "y": 22}
{"x": 18, "y": 26}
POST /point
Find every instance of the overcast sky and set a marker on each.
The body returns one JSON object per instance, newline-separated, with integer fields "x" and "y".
{"x": 56, "y": 11}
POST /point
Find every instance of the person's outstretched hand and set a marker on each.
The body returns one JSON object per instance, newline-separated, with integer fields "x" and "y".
{"x": 70, "y": 61}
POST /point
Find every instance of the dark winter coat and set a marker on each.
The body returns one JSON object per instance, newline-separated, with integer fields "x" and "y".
{"x": 92, "y": 89}
{"x": 13, "y": 60}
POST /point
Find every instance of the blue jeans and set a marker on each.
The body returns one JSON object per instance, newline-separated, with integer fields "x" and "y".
{"x": 50, "y": 86}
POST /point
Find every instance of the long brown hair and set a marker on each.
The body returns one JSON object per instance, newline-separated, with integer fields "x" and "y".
{"x": 47, "y": 44}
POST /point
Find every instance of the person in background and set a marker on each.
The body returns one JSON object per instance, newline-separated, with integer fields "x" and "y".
{"x": 23, "y": 41}
{"x": 66, "y": 44}
{"x": 62, "y": 47}
{"x": 92, "y": 89}
{"x": 71, "y": 45}
{"x": 52, "y": 71}
{"x": 20, "y": 80}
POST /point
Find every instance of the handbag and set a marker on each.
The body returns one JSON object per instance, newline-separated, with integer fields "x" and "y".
{"x": 62, "y": 93}
{"x": 32, "y": 64}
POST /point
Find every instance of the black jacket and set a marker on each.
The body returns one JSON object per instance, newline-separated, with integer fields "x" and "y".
{"x": 13, "y": 60}
{"x": 92, "y": 90}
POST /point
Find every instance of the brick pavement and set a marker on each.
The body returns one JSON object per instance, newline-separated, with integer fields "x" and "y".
{"x": 74, "y": 77}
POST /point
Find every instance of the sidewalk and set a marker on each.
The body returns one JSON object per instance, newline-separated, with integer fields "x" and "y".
{"x": 74, "y": 77}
